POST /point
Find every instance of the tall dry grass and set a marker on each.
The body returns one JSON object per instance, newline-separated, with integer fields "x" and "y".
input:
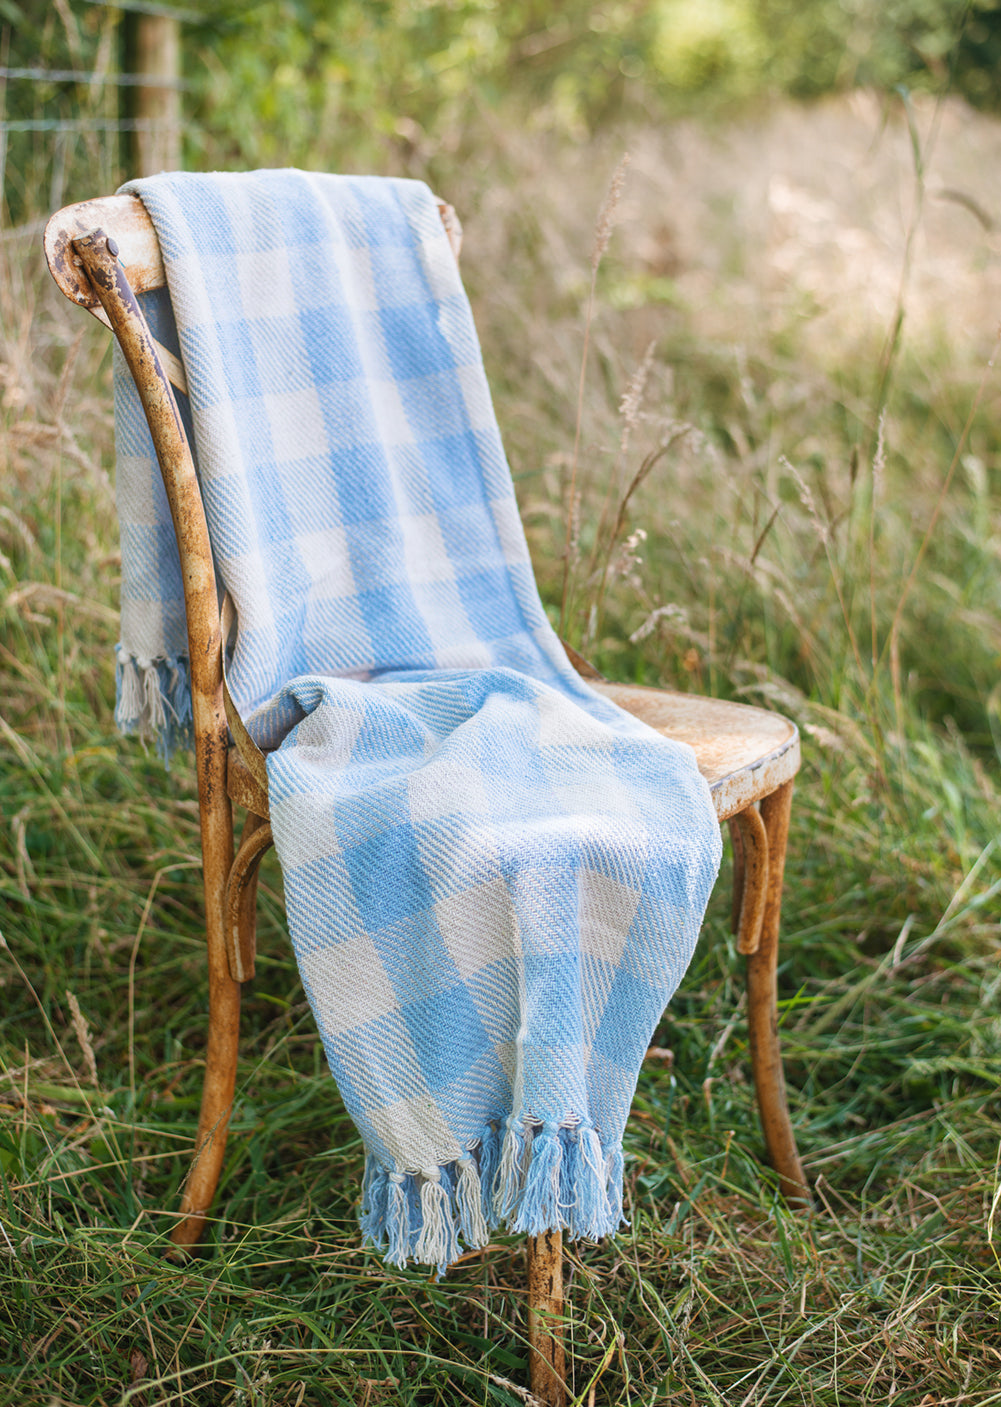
{"x": 769, "y": 474}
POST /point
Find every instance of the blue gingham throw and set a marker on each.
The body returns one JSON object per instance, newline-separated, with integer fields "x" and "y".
{"x": 494, "y": 877}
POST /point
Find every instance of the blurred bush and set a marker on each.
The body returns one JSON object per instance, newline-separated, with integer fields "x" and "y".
{"x": 279, "y": 78}
{"x": 734, "y": 47}
{"x": 286, "y": 78}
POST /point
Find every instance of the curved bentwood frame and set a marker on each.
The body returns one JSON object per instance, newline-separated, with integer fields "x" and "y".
{"x": 102, "y": 253}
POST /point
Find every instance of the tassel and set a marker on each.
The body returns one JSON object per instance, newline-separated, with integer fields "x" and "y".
{"x": 569, "y": 1165}
{"x": 153, "y": 715}
{"x": 488, "y": 1157}
{"x": 179, "y": 692}
{"x": 592, "y": 1216}
{"x": 507, "y": 1181}
{"x": 373, "y": 1202}
{"x": 369, "y": 1180}
{"x": 412, "y": 1188}
{"x": 397, "y": 1220}
{"x": 128, "y": 703}
{"x": 436, "y": 1243}
{"x": 469, "y": 1202}
{"x": 539, "y": 1208}
{"x": 615, "y": 1174}
{"x": 153, "y": 700}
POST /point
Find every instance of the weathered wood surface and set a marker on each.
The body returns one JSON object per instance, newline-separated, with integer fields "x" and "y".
{"x": 99, "y": 255}
{"x": 743, "y": 752}
{"x": 546, "y": 1352}
{"x": 762, "y": 1011}
{"x": 158, "y": 100}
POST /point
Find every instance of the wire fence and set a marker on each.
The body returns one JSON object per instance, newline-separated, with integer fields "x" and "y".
{"x": 75, "y": 119}
{"x": 84, "y": 124}
{"x": 72, "y": 75}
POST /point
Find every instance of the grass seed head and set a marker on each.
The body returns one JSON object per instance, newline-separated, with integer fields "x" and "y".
{"x": 603, "y": 230}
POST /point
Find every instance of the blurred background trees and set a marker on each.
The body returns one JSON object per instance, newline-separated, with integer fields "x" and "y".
{"x": 333, "y": 81}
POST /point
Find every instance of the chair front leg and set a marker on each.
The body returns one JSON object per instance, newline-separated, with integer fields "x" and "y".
{"x": 762, "y": 994}
{"x": 546, "y": 1355}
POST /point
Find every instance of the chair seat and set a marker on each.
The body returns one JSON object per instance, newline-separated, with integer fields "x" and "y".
{"x": 743, "y": 752}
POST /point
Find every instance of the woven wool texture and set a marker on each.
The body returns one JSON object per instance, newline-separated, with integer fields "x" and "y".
{"x": 494, "y": 878}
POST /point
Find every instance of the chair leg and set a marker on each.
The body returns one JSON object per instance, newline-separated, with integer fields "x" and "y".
{"x": 223, "y": 1036}
{"x": 738, "y": 875}
{"x": 751, "y": 842}
{"x": 241, "y": 898}
{"x": 762, "y": 992}
{"x": 546, "y": 1358}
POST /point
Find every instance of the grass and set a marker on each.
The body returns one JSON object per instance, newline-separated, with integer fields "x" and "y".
{"x": 783, "y": 520}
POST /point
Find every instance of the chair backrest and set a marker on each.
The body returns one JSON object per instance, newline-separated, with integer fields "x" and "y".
{"x": 124, "y": 219}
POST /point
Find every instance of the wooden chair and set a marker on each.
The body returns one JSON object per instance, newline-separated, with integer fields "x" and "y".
{"x": 102, "y": 253}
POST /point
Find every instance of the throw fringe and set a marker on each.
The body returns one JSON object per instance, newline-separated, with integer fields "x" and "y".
{"x": 614, "y": 1185}
{"x": 508, "y": 1178}
{"x": 437, "y": 1242}
{"x": 153, "y": 700}
{"x": 592, "y": 1210}
{"x": 488, "y": 1161}
{"x": 469, "y": 1196}
{"x": 398, "y": 1220}
{"x": 539, "y": 1199}
{"x": 539, "y": 1177}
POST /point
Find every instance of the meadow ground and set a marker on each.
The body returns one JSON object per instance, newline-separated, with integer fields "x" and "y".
{"x": 800, "y": 308}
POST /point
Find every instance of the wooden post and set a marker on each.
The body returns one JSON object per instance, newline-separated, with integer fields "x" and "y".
{"x": 158, "y": 103}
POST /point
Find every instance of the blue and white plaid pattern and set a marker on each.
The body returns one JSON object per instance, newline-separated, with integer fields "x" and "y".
{"x": 494, "y": 878}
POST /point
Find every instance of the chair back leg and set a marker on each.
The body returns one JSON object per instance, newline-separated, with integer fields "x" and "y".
{"x": 762, "y": 1015}
{"x": 98, "y": 256}
{"x": 546, "y": 1353}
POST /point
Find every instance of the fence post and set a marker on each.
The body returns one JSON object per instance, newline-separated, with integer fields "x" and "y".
{"x": 158, "y": 103}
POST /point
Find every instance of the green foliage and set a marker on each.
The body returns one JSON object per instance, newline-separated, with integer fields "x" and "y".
{"x": 284, "y": 79}
{"x": 42, "y": 164}
{"x": 304, "y": 81}
{"x": 736, "y": 48}
{"x": 362, "y": 83}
